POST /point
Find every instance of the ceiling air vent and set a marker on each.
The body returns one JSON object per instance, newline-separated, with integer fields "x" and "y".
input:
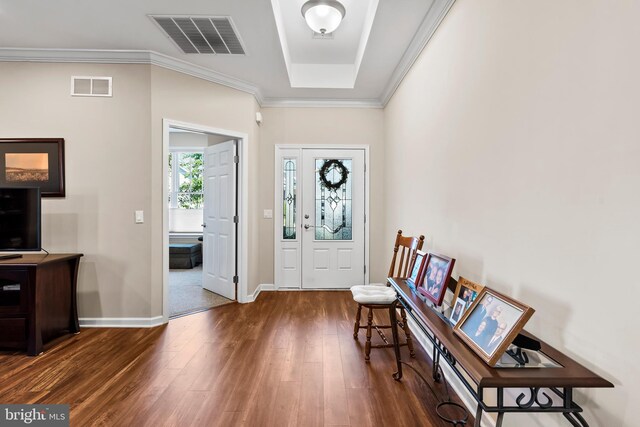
{"x": 202, "y": 34}
{"x": 90, "y": 86}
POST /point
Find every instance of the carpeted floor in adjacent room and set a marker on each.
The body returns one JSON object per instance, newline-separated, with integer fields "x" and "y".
{"x": 186, "y": 294}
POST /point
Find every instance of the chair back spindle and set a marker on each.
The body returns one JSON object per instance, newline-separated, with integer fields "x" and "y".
{"x": 409, "y": 245}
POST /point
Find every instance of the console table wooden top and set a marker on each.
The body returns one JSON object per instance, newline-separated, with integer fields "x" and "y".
{"x": 571, "y": 374}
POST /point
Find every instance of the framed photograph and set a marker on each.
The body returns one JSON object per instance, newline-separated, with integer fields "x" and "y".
{"x": 416, "y": 269}
{"x": 438, "y": 270}
{"x": 33, "y": 162}
{"x": 491, "y": 323}
{"x": 467, "y": 291}
{"x": 457, "y": 311}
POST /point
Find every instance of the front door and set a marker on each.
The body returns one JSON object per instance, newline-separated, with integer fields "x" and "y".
{"x": 332, "y": 221}
{"x": 219, "y": 229}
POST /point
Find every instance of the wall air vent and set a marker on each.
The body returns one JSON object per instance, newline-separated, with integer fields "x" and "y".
{"x": 91, "y": 86}
{"x": 202, "y": 34}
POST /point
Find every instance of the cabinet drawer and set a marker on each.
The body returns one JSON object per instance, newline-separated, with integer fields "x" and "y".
{"x": 14, "y": 291}
{"x": 13, "y": 332}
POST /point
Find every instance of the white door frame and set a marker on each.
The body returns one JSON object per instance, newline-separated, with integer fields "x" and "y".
{"x": 277, "y": 230}
{"x": 243, "y": 208}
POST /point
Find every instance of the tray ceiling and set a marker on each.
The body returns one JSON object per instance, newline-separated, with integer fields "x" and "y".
{"x": 360, "y": 64}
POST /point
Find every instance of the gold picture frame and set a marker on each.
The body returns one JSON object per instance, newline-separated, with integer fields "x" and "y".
{"x": 467, "y": 291}
{"x": 491, "y": 323}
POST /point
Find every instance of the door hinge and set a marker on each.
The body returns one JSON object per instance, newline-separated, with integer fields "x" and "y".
{"x": 236, "y": 159}
{"x": 235, "y": 219}
{"x": 365, "y": 218}
{"x": 365, "y": 269}
{"x": 365, "y": 167}
{"x": 235, "y": 279}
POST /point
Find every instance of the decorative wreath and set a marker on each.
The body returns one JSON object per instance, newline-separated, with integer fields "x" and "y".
{"x": 324, "y": 171}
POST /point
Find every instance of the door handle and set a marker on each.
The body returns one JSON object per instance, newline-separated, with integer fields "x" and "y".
{"x": 307, "y": 226}
{"x": 204, "y": 225}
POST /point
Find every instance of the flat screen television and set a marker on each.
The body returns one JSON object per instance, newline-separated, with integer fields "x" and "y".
{"x": 20, "y": 219}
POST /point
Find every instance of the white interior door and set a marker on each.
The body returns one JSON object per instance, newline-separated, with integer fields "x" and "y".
{"x": 219, "y": 228}
{"x": 333, "y": 209}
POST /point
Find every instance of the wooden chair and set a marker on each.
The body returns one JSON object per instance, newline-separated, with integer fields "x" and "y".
{"x": 378, "y": 296}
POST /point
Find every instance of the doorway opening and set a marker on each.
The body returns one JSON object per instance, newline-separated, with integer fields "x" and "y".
{"x": 203, "y": 218}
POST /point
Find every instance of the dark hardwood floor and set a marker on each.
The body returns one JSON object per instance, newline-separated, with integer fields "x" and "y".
{"x": 289, "y": 359}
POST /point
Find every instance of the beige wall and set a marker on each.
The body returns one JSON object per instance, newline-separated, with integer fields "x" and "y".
{"x": 521, "y": 121}
{"x": 114, "y": 167}
{"x": 321, "y": 126}
{"x": 108, "y": 175}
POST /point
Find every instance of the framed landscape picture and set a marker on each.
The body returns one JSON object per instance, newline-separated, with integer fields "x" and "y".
{"x": 417, "y": 269}
{"x": 33, "y": 162}
{"x": 491, "y": 323}
{"x": 437, "y": 272}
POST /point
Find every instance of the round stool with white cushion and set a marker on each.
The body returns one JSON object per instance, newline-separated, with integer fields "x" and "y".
{"x": 380, "y": 296}
{"x": 375, "y": 293}
{"x": 376, "y": 296}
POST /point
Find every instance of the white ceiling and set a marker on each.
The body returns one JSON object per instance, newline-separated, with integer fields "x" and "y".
{"x": 324, "y": 62}
{"x": 121, "y": 31}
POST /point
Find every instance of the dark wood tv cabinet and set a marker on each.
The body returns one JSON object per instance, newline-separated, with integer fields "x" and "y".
{"x": 37, "y": 300}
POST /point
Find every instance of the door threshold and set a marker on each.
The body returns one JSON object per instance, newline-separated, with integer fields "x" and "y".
{"x": 199, "y": 310}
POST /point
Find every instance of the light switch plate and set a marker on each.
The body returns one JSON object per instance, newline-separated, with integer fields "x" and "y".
{"x": 139, "y": 217}
{"x": 268, "y": 214}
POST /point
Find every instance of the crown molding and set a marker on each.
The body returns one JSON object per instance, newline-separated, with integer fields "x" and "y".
{"x": 431, "y": 22}
{"x": 184, "y": 67}
{"x": 127, "y": 57}
{"x": 154, "y": 58}
{"x": 320, "y": 103}
{"x": 9, "y": 54}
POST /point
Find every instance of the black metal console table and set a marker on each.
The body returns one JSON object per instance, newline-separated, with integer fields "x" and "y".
{"x": 478, "y": 377}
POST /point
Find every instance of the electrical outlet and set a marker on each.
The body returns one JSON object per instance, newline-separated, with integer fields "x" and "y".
{"x": 267, "y": 214}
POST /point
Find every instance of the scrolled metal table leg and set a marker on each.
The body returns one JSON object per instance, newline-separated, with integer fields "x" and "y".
{"x": 396, "y": 343}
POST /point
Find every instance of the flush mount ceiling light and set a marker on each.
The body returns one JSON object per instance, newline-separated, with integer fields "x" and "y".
{"x": 323, "y": 16}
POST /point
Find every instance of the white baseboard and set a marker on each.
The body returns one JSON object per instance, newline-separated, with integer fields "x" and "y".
{"x": 312, "y": 289}
{"x": 261, "y": 287}
{"x": 120, "y": 322}
{"x": 292, "y": 289}
{"x": 452, "y": 379}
